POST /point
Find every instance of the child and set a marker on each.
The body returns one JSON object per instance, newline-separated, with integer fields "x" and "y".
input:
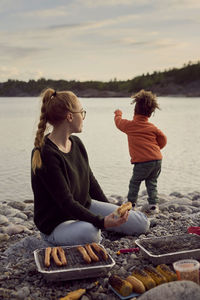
{"x": 145, "y": 141}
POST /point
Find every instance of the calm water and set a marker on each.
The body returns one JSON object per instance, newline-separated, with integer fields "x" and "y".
{"x": 107, "y": 147}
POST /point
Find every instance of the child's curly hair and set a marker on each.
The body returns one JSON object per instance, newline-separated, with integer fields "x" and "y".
{"x": 145, "y": 103}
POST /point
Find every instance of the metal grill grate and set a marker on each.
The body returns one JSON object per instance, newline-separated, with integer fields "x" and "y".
{"x": 74, "y": 260}
{"x": 76, "y": 267}
{"x": 168, "y": 249}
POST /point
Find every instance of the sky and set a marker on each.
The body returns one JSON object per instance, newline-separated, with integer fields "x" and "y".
{"x": 96, "y": 39}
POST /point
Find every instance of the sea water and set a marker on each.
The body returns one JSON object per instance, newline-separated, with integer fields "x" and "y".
{"x": 107, "y": 147}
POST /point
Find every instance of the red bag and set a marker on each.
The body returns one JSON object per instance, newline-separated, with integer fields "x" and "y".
{"x": 195, "y": 230}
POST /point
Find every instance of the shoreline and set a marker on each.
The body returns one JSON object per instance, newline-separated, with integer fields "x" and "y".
{"x": 19, "y": 237}
{"x": 110, "y": 94}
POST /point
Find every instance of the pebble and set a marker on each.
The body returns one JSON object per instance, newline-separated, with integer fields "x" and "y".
{"x": 19, "y": 238}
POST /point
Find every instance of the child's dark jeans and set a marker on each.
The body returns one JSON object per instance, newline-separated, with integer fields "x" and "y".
{"x": 148, "y": 171}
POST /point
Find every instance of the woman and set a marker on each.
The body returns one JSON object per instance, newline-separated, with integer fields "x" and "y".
{"x": 69, "y": 206}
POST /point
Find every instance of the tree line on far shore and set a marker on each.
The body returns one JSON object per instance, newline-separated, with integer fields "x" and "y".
{"x": 183, "y": 81}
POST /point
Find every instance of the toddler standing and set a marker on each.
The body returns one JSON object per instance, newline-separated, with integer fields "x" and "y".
{"x": 145, "y": 141}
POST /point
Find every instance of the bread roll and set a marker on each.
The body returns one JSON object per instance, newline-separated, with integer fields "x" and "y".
{"x": 120, "y": 211}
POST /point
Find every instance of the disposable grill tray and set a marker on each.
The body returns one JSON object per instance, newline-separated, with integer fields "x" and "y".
{"x": 76, "y": 267}
{"x": 170, "y": 248}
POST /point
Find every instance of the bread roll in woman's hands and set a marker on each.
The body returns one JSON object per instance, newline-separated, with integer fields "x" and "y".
{"x": 120, "y": 211}
{"x": 112, "y": 221}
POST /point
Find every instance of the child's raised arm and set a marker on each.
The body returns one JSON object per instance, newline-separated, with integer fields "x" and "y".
{"x": 119, "y": 122}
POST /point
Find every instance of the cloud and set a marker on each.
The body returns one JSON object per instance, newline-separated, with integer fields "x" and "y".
{"x": 141, "y": 43}
{"x": 5, "y": 5}
{"x": 16, "y": 73}
{"x": 54, "y": 12}
{"x": 95, "y": 25}
{"x": 193, "y": 4}
{"x": 96, "y": 3}
{"x": 16, "y": 52}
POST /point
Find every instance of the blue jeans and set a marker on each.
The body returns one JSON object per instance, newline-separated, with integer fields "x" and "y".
{"x": 79, "y": 232}
{"x": 148, "y": 171}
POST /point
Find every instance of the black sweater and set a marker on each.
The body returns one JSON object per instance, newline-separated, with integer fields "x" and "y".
{"x": 63, "y": 187}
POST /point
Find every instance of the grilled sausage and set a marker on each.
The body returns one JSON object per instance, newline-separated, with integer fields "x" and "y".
{"x": 84, "y": 253}
{"x": 62, "y": 256}
{"x": 47, "y": 257}
{"x": 92, "y": 255}
{"x": 55, "y": 256}
{"x": 100, "y": 250}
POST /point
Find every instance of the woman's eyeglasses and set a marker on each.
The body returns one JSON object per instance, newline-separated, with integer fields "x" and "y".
{"x": 82, "y": 112}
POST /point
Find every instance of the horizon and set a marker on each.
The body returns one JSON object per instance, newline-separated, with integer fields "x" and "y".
{"x": 110, "y": 80}
{"x": 102, "y": 40}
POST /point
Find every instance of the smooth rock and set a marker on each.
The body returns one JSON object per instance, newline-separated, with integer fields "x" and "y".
{"x": 3, "y": 220}
{"x": 196, "y": 203}
{"x": 176, "y": 194}
{"x": 14, "y": 229}
{"x": 176, "y": 290}
{"x": 182, "y": 201}
{"x": 28, "y": 201}
{"x": 21, "y": 293}
{"x": 4, "y": 237}
{"x": 21, "y": 216}
{"x": 17, "y": 204}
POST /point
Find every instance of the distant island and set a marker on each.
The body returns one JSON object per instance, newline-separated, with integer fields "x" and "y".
{"x": 183, "y": 81}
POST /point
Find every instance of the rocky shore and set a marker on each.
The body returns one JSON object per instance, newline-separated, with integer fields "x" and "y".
{"x": 19, "y": 278}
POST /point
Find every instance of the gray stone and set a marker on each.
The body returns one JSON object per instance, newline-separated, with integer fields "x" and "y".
{"x": 5, "y": 293}
{"x": 21, "y": 293}
{"x": 4, "y": 237}
{"x": 29, "y": 207}
{"x": 8, "y": 211}
{"x": 175, "y": 215}
{"x": 15, "y": 220}
{"x": 176, "y": 290}
{"x": 3, "y": 220}
{"x": 84, "y": 297}
{"x": 163, "y": 198}
{"x": 14, "y": 229}
{"x": 181, "y": 208}
{"x": 17, "y": 204}
{"x": 21, "y": 216}
{"x": 29, "y": 213}
{"x": 182, "y": 201}
{"x": 176, "y": 194}
{"x": 196, "y": 203}
{"x": 28, "y": 201}
{"x": 28, "y": 243}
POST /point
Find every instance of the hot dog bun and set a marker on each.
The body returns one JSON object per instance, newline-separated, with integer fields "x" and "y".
{"x": 120, "y": 211}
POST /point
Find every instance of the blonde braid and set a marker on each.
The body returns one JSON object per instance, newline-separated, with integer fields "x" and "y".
{"x": 39, "y": 139}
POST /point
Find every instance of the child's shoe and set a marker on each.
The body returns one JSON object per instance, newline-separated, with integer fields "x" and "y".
{"x": 134, "y": 206}
{"x": 154, "y": 208}
{"x": 150, "y": 209}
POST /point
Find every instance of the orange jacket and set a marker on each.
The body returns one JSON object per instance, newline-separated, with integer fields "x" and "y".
{"x": 144, "y": 139}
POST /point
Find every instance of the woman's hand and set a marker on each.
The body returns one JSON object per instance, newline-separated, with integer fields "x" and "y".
{"x": 112, "y": 221}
